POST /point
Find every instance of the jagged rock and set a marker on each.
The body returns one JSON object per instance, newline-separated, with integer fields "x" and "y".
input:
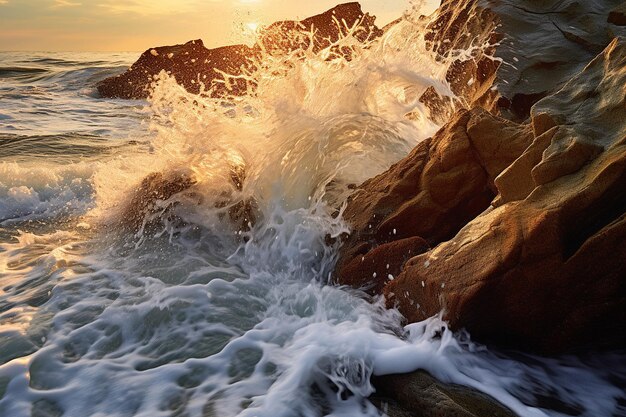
{"x": 440, "y": 108}
{"x": 545, "y": 269}
{"x": 193, "y": 65}
{"x": 149, "y": 206}
{"x": 326, "y": 27}
{"x": 535, "y": 48}
{"x": 444, "y": 182}
{"x": 418, "y": 394}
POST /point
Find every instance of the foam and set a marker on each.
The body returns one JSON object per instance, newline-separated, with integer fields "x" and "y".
{"x": 32, "y": 191}
{"x": 204, "y": 321}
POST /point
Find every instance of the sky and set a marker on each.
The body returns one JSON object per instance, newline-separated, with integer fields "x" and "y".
{"x": 136, "y": 25}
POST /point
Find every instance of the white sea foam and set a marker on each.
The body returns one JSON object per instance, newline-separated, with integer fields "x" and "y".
{"x": 33, "y": 191}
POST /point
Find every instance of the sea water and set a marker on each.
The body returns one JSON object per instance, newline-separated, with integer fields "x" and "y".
{"x": 198, "y": 315}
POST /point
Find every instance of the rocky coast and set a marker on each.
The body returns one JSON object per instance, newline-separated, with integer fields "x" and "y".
{"x": 511, "y": 219}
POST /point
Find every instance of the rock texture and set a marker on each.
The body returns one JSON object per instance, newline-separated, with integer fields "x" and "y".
{"x": 546, "y": 268}
{"x": 194, "y": 66}
{"x": 146, "y": 209}
{"x": 326, "y": 27}
{"x": 418, "y": 394}
{"x": 158, "y": 193}
{"x": 372, "y": 269}
{"x": 191, "y": 64}
{"x": 618, "y": 15}
{"x": 534, "y": 47}
{"x": 444, "y": 183}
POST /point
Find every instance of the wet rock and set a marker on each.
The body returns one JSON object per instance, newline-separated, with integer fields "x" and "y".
{"x": 158, "y": 193}
{"x": 440, "y": 108}
{"x": 242, "y": 212}
{"x": 194, "y": 66}
{"x": 533, "y": 48}
{"x": 445, "y": 182}
{"x": 618, "y": 15}
{"x": 374, "y": 268}
{"x": 326, "y": 28}
{"x": 148, "y": 204}
{"x": 545, "y": 269}
{"x": 418, "y": 394}
{"x": 191, "y": 64}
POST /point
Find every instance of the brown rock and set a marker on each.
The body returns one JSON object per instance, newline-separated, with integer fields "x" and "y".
{"x": 440, "y": 108}
{"x": 418, "y": 394}
{"x": 381, "y": 264}
{"x": 618, "y": 15}
{"x": 193, "y": 65}
{"x": 444, "y": 182}
{"x": 327, "y": 27}
{"x": 546, "y": 270}
{"x": 152, "y": 201}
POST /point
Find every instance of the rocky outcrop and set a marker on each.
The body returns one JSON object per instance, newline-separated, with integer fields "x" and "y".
{"x": 545, "y": 268}
{"x": 191, "y": 64}
{"x": 527, "y": 221}
{"x": 507, "y": 55}
{"x": 194, "y": 66}
{"x": 326, "y": 28}
{"x": 418, "y": 394}
{"x": 444, "y": 183}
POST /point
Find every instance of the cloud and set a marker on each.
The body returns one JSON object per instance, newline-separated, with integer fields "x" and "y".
{"x": 153, "y": 7}
{"x": 64, "y": 3}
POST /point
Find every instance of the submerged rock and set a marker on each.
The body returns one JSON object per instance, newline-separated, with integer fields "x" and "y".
{"x": 418, "y": 394}
{"x": 194, "y": 66}
{"x": 148, "y": 206}
{"x": 545, "y": 269}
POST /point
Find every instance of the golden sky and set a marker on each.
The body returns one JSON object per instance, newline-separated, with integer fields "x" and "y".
{"x": 135, "y": 25}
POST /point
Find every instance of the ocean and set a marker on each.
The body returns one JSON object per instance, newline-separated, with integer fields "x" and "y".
{"x": 191, "y": 314}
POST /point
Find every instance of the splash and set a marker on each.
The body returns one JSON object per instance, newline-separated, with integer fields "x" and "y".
{"x": 313, "y": 123}
{"x": 211, "y": 298}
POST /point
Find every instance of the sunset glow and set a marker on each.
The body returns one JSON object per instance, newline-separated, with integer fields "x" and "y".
{"x": 111, "y": 25}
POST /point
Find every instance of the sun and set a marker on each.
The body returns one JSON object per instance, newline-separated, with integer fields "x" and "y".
{"x": 253, "y": 26}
